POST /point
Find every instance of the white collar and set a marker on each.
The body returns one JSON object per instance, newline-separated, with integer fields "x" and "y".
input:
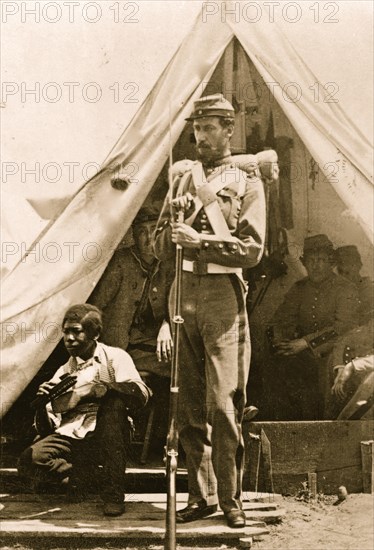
{"x": 98, "y": 355}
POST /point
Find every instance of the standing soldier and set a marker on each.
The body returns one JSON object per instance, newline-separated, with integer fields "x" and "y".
{"x": 223, "y": 232}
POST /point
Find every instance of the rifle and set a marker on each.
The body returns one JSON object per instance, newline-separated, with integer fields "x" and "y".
{"x": 67, "y": 381}
{"x": 171, "y": 449}
{"x": 43, "y": 424}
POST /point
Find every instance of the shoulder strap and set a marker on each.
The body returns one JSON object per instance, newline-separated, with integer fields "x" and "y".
{"x": 107, "y": 373}
{"x": 242, "y": 186}
{"x": 70, "y": 366}
{"x": 207, "y": 195}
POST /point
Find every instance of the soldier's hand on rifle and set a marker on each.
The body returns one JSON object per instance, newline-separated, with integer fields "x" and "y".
{"x": 292, "y": 347}
{"x": 164, "y": 343}
{"x": 184, "y": 202}
{"x": 45, "y": 388}
{"x": 185, "y": 235}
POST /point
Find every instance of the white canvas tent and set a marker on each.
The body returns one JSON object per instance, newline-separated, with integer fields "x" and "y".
{"x": 74, "y": 249}
{"x": 16, "y": 214}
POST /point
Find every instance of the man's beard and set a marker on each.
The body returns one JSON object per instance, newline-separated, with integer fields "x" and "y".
{"x": 208, "y": 154}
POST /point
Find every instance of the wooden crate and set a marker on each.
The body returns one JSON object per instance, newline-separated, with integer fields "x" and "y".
{"x": 367, "y": 458}
{"x": 331, "y": 449}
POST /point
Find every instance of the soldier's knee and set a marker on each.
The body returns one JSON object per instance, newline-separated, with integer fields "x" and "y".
{"x": 220, "y": 411}
{"x": 40, "y": 455}
{"x": 115, "y": 406}
{"x": 32, "y": 456}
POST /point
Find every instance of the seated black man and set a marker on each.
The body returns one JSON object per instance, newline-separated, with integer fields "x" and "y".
{"x": 89, "y": 424}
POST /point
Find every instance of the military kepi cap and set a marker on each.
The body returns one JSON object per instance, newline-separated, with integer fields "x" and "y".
{"x": 212, "y": 105}
{"x": 148, "y": 213}
{"x": 348, "y": 253}
{"x": 317, "y": 242}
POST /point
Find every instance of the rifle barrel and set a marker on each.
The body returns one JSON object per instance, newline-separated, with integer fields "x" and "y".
{"x": 172, "y": 438}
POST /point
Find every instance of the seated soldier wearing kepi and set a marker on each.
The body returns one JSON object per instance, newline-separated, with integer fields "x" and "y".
{"x": 89, "y": 424}
{"x": 224, "y": 231}
{"x": 349, "y": 265}
{"x": 315, "y": 311}
{"x": 133, "y": 295}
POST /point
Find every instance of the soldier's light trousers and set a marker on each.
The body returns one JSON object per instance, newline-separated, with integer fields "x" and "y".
{"x": 213, "y": 373}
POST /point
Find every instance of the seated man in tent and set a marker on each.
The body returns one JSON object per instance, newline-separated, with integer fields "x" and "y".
{"x": 133, "y": 294}
{"x": 361, "y": 404}
{"x": 314, "y": 312}
{"x": 87, "y": 422}
{"x": 349, "y": 265}
{"x": 351, "y": 362}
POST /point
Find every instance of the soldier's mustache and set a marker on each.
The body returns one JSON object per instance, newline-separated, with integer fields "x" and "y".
{"x": 205, "y": 146}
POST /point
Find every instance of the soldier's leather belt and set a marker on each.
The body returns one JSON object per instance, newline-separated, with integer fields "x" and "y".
{"x": 199, "y": 268}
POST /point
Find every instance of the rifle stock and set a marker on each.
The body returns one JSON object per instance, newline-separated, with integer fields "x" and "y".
{"x": 171, "y": 448}
{"x": 171, "y": 472}
{"x": 67, "y": 382}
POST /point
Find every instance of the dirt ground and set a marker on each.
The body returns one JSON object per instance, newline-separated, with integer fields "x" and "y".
{"x": 323, "y": 526}
{"x": 314, "y": 525}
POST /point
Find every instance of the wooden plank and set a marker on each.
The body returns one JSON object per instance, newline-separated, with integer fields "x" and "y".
{"x": 142, "y": 472}
{"x": 258, "y": 500}
{"x": 50, "y": 516}
{"x": 137, "y": 479}
{"x": 367, "y": 460}
{"x": 248, "y": 497}
{"x": 137, "y": 530}
{"x": 39, "y": 519}
{"x": 271, "y": 516}
{"x": 253, "y": 456}
{"x": 259, "y": 506}
{"x": 256, "y": 513}
{"x": 312, "y": 484}
{"x": 37, "y": 504}
{"x": 269, "y": 498}
{"x": 32, "y": 497}
{"x": 267, "y": 464}
{"x": 331, "y": 449}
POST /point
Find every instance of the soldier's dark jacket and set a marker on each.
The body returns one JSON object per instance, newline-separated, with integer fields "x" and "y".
{"x": 358, "y": 342}
{"x": 366, "y": 295}
{"x": 119, "y": 294}
{"x": 243, "y": 207}
{"x": 317, "y": 313}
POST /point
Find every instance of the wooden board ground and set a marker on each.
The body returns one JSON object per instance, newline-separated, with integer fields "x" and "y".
{"x": 41, "y": 516}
